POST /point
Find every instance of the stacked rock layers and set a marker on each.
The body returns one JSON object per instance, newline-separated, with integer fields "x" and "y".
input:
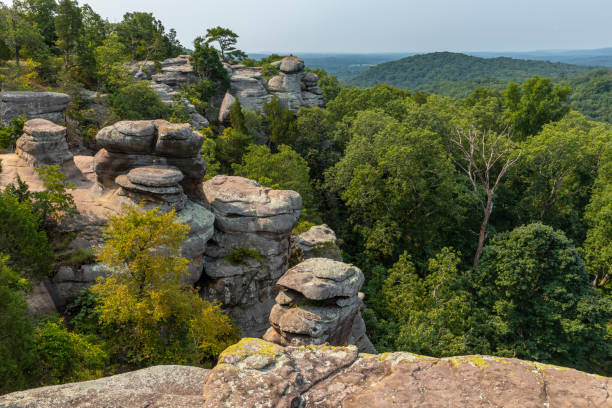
{"x": 43, "y": 143}
{"x": 250, "y": 248}
{"x": 317, "y": 303}
{"x": 130, "y": 144}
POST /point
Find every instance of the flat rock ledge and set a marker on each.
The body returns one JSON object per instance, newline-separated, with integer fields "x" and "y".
{"x": 153, "y": 387}
{"x": 255, "y": 373}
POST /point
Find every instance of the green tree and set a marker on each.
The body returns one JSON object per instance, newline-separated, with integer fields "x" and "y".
{"x": 17, "y": 348}
{"x": 207, "y": 65}
{"x": 68, "y": 27}
{"x": 43, "y": 13}
{"x": 230, "y": 146}
{"x": 64, "y": 356}
{"x": 93, "y": 33}
{"x": 279, "y": 123}
{"x": 436, "y": 314}
{"x": 143, "y": 35}
{"x": 285, "y": 170}
{"x": 22, "y": 238}
{"x": 17, "y": 31}
{"x": 153, "y": 317}
{"x": 329, "y": 84}
{"x": 598, "y": 243}
{"x": 110, "y": 71}
{"x": 236, "y": 117}
{"x": 540, "y": 301}
{"x": 226, "y": 39}
{"x": 137, "y": 101}
{"x": 538, "y": 102}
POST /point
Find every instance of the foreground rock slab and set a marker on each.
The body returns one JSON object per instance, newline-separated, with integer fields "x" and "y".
{"x": 257, "y": 373}
{"x": 153, "y": 387}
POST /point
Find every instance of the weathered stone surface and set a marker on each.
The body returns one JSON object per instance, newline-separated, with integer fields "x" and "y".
{"x": 176, "y": 72}
{"x": 318, "y": 242}
{"x": 43, "y": 143}
{"x": 135, "y": 137}
{"x": 131, "y": 144}
{"x": 177, "y": 140}
{"x": 226, "y": 107}
{"x": 322, "y": 278}
{"x": 44, "y": 105}
{"x": 291, "y": 64}
{"x": 155, "y": 176}
{"x": 250, "y": 248}
{"x": 158, "y": 386}
{"x": 256, "y": 373}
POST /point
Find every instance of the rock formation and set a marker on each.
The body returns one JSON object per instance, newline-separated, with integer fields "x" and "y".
{"x": 292, "y": 86}
{"x": 44, "y": 105}
{"x": 153, "y": 387}
{"x": 130, "y": 144}
{"x": 318, "y": 242}
{"x": 174, "y": 73}
{"x": 43, "y": 142}
{"x": 250, "y": 248}
{"x": 318, "y": 303}
{"x": 256, "y": 373}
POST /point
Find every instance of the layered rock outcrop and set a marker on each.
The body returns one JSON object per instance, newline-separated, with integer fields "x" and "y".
{"x": 43, "y": 105}
{"x": 256, "y": 373}
{"x": 43, "y": 143}
{"x": 153, "y": 387}
{"x": 318, "y": 242}
{"x": 319, "y": 303}
{"x": 130, "y": 144}
{"x": 250, "y": 248}
{"x": 293, "y": 87}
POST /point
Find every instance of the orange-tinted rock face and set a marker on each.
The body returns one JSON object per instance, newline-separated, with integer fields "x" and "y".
{"x": 257, "y": 373}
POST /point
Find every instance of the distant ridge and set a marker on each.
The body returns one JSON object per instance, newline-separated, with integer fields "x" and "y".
{"x": 424, "y": 70}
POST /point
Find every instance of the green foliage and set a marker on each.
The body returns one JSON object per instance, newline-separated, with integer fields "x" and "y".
{"x": 436, "y": 314}
{"x": 416, "y": 72}
{"x": 65, "y": 356}
{"x": 240, "y": 255}
{"x": 540, "y": 302}
{"x": 537, "y": 103}
{"x": 138, "y": 101}
{"x": 110, "y": 71}
{"x": 10, "y": 134}
{"x": 230, "y": 146}
{"x": 152, "y": 317}
{"x": 226, "y": 39}
{"x": 54, "y": 203}
{"x": 86, "y": 314}
{"x": 328, "y": 84}
{"x": 22, "y": 238}
{"x": 285, "y": 170}
{"x": 598, "y": 243}
{"x": 208, "y": 152}
{"x": 143, "y": 35}
{"x": 236, "y": 117}
{"x": 592, "y": 95}
{"x": 207, "y": 64}
{"x": 68, "y": 26}
{"x": 279, "y": 123}
{"x": 17, "y": 348}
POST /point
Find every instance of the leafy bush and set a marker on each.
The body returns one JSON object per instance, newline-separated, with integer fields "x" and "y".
{"x": 10, "y": 134}
{"x": 148, "y": 315}
{"x": 138, "y": 101}
{"x": 238, "y": 256}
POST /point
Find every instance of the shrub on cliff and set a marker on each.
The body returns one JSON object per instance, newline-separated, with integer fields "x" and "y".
{"x": 148, "y": 315}
{"x": 138, "y": 101}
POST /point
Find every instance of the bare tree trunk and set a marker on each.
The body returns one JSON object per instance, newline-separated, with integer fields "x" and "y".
{"x": 482, "y": 236}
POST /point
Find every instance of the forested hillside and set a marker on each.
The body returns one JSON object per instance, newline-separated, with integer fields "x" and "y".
{"x": 419, "y": 71}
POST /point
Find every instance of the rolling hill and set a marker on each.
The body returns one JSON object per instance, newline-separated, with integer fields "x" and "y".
{"x": 424, "y": 71}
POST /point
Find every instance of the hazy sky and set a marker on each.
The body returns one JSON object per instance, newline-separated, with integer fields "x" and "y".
{"x": 384, "y": 25}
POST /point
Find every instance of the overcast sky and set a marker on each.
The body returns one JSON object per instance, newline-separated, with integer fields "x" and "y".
{"x": 362, "y": 26}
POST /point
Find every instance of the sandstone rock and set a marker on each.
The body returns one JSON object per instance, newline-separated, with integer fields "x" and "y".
{"x": 250, "y": 248}
{"x": 44, "y": 105}
{"x": 322, "y": 279}
{"x": 290, "y": 65}
{"x": 226, "y": 107}
{"x": 177, "y": 140}
{"x": 285, "y": 83}
{"x": 156, "y": 176}
{"x": 158, "y": 386}
{"x": 135, "y": 137}
{"x": 43, "y": 143}
{"x": 318, "y": 242}
{"x": 256, "y": 373}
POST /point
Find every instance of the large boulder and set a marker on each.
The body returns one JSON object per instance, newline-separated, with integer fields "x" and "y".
{"x": 43, "y": 143}
{"x": 257, "y": 373}
{"x": 318, "y": 242}
{"x": 130, "y": 144}
{"x": 153, "y": 387}
{"x": 249, "y": 250}
{"x": 318, "y": 303}
{"x": 43, "y": 105}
